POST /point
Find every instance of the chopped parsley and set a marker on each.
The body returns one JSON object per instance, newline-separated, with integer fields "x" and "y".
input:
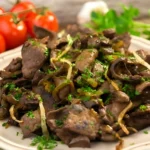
{"x": 70, "y": 40}
{"x": 131, "y": 57}
{"x": 145, "y": 132}
{"x": 30, "y": 114}
{"x": 85, "y": 98}
{"x": 137, "y": 92}
{"x": 70, "y": 97}
{"x": 100, "y": 131}
{"x": 109, "y": 113}
{"x": 44, "y": 143}
{"x": 130, "y": 91}
{"x": 126, "y": 78}
{"x": 92, "y": 123}
{"x": 88, "y": 89}
{"x": 87, "y": 74}
{"x": 110, "y": 57}
{"x": 145, "y": 79}
{"x": 79, "y": 81}
{"x": 4, "y": 124}
{"x": 49, "y": 71}
{"x": 67, "y": 56}
{"x": 101, "y": 80}
{"x": 59, "y": 123}
{"x": 46, "y": 52}
{"x": 17, "y": 96}
{"x": 52, "y": 87}
{"x": 67, "y": 81}
{"x": 34, "y": 42}
{"x": 31, "y": 96}
{"x": 107, "y": 101}
{"x": 10, "y": 86}
{"x": 17, "y": 133}
{"x": 105, "y": 91}
{"x": 143, "y": 107}
{"x": 39, "y": 98}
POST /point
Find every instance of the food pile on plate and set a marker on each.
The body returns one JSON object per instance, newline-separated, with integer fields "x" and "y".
{"x": 76, "y": 87}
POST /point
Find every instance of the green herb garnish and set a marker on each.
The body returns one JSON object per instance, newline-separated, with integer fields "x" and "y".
{"x": 145, "y": 132}
{"x": 52, "y": 87}
{"x": 10, "y": 86}
{"x": 87, "y": 74}
{"x": 49, "y": 71}
{"x": 145, "y": 79}
{"x": 4, "y": 124}
{"x": 129, "y": 90}
{"x": 70, "y": 97}
{"x": 17, "y": 96}
{"x": 143, "y": 107}
{"x": 17, "y": 133}
{"x": 100, "y": 131}
{"x": 137, "y": 92}
{"x": 39, "y": 98}
{"x": 59, "y": 123}
{"x": 121, "y": 22}
{"x": 107, "y": 101}
{"x": 85, "y": 98}
{"x": 44, "y": 143}
{"x": 101, "y": 80}
{"x": 46, "y": 52}
{"x": 88, "y": 89}
{"x": 30, "y": 114}
{"x": 109, "y": 113}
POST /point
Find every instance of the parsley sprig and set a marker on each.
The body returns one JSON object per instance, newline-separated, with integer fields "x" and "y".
{"x": 44, "y": 143}
{"x": 121, "y": 22}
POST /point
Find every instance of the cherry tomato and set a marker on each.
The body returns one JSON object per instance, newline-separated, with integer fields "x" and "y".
{"x": 22, "y": 6}
{"x": 46, "y": 20}
{"x": 2, "y": 44}
{"x": 1, "y": 10}
{"x": 14, "y": 33}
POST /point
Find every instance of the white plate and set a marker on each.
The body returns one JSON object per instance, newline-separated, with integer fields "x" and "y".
{"x": 10, "y": 141}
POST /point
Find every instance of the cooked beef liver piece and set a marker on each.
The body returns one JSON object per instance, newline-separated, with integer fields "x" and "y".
{"x": 29, "y": 125}
{"x": 33, "y": 57}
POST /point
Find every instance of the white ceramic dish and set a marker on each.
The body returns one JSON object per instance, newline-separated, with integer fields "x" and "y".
{"x": 10, "y": 141}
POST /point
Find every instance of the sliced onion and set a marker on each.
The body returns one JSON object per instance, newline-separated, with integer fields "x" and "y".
{"x": 43, "y": 117}
{"x": 121, "y": 115}
{"x": 140, "y": 60}
{"x": 110, "y": 81}
{"x": 120, "y": 145}
{"x": 68, "y": 47}
{"x": 70, "y": 67}
{"x": 52, "y": 62}
{"x": 11, "y": 111}
{"x": 132, "y": 129}
{"x": 43, "y": 120}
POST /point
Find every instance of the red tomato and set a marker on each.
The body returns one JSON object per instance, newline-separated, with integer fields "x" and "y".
{"x": 47, "y": 20}
{"x": 22, "y": 6}
{"x": 2, "y": 44}
{"x": 1, "y": 10}
{"x": 14, "y": 33}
